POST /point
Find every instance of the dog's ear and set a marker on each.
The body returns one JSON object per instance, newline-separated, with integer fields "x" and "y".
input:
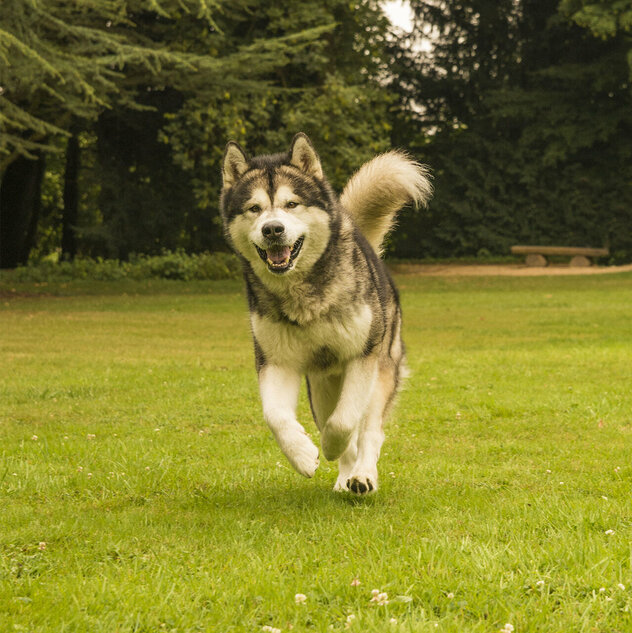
{"x": 234, "y": 164}
{"x": 304, "y": 156}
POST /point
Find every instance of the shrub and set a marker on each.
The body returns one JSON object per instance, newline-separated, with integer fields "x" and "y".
{"x": 168, "y": 265}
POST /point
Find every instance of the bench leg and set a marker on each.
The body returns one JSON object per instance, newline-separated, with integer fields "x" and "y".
{"x": 533, "y": 260}
{"x": 580, "y": 261}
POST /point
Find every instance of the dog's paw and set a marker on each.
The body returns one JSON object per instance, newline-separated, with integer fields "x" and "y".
{"x": 302, "y": 454}
{"x": 361, "y": 484}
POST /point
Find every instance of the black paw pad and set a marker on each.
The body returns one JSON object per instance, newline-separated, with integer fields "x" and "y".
{"x": 358, "y": 487}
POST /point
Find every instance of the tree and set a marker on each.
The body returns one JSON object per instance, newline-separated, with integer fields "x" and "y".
{"x": 60, "y": 63}
{"x": 526, "y": 118}
{"x": 64, "y": 63}
{"x": 327, "y": 86}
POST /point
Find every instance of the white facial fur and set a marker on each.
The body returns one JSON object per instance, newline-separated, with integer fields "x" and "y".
{"x": 312, "y": 223}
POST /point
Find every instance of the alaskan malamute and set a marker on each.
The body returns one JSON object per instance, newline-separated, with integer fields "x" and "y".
{"x": 321, "y": 301}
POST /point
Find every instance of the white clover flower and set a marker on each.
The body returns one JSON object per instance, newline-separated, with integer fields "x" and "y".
{"x": 34, "y": 438}
{"x": 349, "y": 621}
{"x": 508, "y": 628}
{"x": 270, "y": 629}
{"x": 355, "y": 582}
{"x": 42, "y": 545}
{"x": 393, "y": 620}
{"x": 609, "y": 532}
{"x": 379, "y": 597}
{"x": 602, "y": 590}
{"x": 450, "y": 596}
{"x": 300, "y": 598}
{"x": 540, "y": 583}
{"x": 604, "y": 497}
{"x": 621, "y": 586}
{"x": 90, "y": 436}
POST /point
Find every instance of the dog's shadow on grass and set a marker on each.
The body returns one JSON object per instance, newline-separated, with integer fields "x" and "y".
{"x": 272, "y": 497}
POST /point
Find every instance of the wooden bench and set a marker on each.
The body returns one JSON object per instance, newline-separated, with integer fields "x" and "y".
{"x": 536, "y": 255}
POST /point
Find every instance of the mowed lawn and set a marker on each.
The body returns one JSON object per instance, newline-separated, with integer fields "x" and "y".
{"x": 141, "y": 491}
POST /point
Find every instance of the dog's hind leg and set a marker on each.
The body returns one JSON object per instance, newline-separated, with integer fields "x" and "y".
{"x": 324, "y": 391}
{"x": 279, "y": 387}
{"x": 357, "y": 386}
{"x": 363, "y": 474}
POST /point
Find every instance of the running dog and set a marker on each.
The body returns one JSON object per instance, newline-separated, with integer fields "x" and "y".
{"x": 321, "y": 301}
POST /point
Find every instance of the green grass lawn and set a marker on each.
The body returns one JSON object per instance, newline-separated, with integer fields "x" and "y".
{"x": 141, "y": 491}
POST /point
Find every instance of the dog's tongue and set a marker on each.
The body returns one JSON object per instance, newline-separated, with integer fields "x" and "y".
{"x": 279, "y": 255}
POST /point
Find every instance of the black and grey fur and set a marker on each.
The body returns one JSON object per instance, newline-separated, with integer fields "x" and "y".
{"x": 322, "y": 303}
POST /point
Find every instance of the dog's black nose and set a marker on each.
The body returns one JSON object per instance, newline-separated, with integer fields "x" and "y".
{"x": 272, "y": 229}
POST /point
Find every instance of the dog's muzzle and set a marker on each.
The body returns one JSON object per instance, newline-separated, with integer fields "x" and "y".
{"x": 280, "y": 257}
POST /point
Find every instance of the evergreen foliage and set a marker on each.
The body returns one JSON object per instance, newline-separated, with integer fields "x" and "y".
{"x": 64, "y": 63}
{"x": 114, "y": 115}
{"x": 329, "y": 90}
{"x": 523, "y": 121}
{"x": 62, "y": 60}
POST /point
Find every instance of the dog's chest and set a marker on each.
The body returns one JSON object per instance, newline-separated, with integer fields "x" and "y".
{"x": 322, "y": 345}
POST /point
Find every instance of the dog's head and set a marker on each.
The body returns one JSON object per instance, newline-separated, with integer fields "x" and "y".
{"x": 277, "y": 209}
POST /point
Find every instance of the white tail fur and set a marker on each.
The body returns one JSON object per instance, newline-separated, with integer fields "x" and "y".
{"x": 380, "y": 188}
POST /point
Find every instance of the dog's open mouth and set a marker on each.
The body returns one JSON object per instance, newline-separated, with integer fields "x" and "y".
{"x": 280, "y": 258}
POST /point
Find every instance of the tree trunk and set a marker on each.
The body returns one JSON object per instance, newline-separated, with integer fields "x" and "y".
{"x": 20, "y": 203}
{"x": 71, "y": 199}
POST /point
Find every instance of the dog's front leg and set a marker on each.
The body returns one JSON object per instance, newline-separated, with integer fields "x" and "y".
{"x": 279, "y": 388}
{"x": 357, "y": 386}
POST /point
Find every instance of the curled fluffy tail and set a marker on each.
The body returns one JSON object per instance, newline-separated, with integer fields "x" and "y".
{"x": 380, "y": 188}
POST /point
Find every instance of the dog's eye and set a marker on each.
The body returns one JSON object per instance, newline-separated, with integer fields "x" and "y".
{"x": 255, "y": 208}
{"x": 292, "y": 205}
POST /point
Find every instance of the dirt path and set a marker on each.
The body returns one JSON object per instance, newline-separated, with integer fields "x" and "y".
{"x": 510, "y": 270}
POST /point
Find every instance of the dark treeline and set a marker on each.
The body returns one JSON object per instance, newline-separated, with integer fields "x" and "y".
{"x": 114, "y": 115}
